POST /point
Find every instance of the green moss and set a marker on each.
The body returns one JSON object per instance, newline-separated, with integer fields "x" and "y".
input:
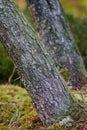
{"x": 15, "y": 107}
{"x": 17, "y": 112}
{"x": 2, "y": 127}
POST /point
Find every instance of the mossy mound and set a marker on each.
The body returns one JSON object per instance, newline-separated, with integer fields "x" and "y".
{"x": 16, "y": 109}
{"x": 17, "y": 112}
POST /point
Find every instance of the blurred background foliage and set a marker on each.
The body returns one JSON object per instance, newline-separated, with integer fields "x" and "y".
{"x": 76, "y": 11}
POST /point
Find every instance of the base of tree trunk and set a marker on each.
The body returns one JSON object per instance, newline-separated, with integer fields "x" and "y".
{"x": 68, "y": 119}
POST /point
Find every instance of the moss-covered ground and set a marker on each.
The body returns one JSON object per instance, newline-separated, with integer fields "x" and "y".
{"x": 17, "y": 112}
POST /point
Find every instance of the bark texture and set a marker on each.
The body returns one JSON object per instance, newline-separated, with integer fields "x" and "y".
{"x": 55, "y": 33}
{"x": 46, "y": 87}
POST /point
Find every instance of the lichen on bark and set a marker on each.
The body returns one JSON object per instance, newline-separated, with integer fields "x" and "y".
{"x": 44, "y": 84}
{"x": 55, "y": 33}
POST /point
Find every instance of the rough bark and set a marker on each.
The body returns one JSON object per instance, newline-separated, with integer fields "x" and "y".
{"x": 46, "y": 87}
{"x": 55, "y": 33}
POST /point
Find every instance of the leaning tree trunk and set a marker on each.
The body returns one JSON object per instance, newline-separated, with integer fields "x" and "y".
{"x": 46, "y": 87}
{"x": 55, "y": 33}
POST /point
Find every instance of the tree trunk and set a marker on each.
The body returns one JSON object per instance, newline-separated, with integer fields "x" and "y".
{"x": 55, "y": 33}
{"x": 45, "y": 86}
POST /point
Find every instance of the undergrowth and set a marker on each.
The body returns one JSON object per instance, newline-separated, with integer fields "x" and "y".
{"x": 17, "y": 112}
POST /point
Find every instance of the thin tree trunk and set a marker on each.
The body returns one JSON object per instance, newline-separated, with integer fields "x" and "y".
{"x": 46, "y": 87}
{"x": 11, "y": 76}
{"x": 55, "y": 33}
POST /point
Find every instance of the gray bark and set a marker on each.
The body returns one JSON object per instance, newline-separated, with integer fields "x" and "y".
{"x": 45, "y": 86}
{"x": 55, "y": 33}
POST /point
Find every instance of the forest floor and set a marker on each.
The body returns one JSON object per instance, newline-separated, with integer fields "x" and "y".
{"x": 17, "y": 112}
